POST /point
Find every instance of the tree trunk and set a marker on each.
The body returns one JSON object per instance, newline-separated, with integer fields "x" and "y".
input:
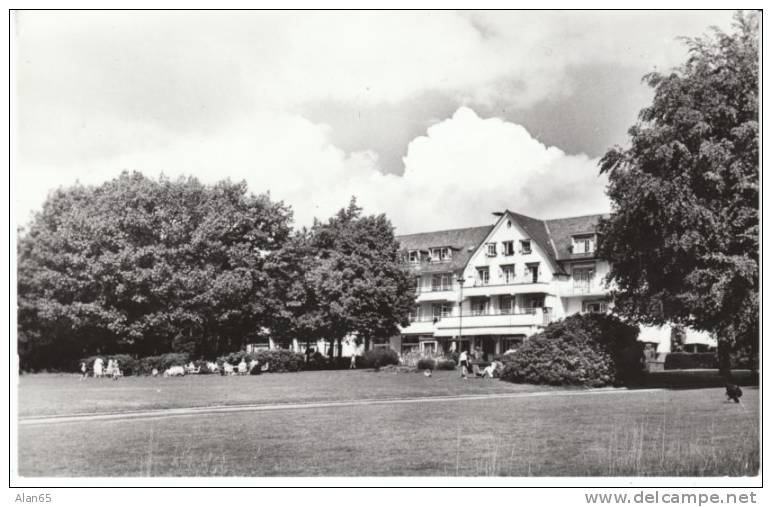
{"x": 367, "y": 343}
{"x": 724, "y": 364}
{"x": 340, "y": 348}
{"x": 331, "y": 352}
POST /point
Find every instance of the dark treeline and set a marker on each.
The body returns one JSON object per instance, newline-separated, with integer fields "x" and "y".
{"x": 144, "y": 267}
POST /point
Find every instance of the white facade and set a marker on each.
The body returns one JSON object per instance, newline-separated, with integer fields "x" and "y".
{"x": 518, "y": 277}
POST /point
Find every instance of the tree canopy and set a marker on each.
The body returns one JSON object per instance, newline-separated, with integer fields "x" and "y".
{"x": 144, "y": 266}
{"x": 342, "y": 277}
{"x": 683, "y": 238}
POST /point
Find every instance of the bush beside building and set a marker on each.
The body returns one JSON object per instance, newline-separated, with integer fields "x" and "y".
{"x": 591, "y": 350}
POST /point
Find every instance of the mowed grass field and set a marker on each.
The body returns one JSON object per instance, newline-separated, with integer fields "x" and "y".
{"x": 565, "y": 432}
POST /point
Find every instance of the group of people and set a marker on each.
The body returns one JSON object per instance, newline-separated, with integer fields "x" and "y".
{"x": 465, "y": 364}
{"x": 111, "y": 370}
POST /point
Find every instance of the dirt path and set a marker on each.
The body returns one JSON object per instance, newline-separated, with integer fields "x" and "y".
{"x": 224, "y": 409}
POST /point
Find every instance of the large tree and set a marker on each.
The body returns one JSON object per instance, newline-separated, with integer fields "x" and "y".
{"x": 351, "y": 280}
{"x": 683, "y": 238}
{"x": 145, "y": 266}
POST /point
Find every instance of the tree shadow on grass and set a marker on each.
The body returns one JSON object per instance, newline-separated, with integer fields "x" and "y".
{"x": 692, "y": 379}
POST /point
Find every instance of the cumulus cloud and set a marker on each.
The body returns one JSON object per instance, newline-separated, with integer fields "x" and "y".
{"x": 226, "y": 94}
{"x": 464, "y": 168}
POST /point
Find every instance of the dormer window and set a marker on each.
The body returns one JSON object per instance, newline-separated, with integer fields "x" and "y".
{"x": 525, "y": 246}
{"x": 583, "y": 243}
{"x": 441, "y": 254}
{"x": 414, "y": 257}
{"x": 508, "y": 247}
{"x": 491, "y": 249}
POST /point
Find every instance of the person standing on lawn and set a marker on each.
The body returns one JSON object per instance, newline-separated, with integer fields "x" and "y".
{"x": 83, "y": 370}
{"x": 463, "y": 362}
{"x": 353, "y": 365}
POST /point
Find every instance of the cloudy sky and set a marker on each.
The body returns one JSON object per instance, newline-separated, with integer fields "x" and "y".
{"x": 436, "y": 118}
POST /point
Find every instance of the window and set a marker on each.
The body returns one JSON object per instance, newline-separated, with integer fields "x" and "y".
{"x": 508, "y": 273}
{"x": 534, "y": 302}
{"x": 506, "y": 304}
{"x": 428, "y": 348}
{"x": 583, "y": 277}
{"x": 442, "y": 282}
{"x": 508, "y": 247}
{"x": 595, "y": 307}
{"x": 483, "y": 276}
{"x": 479, "y": 306}
{"x": 440, "y": 254}
{"x": 441, "y": 310}
{"x": 525, "y": 246}
{"x": 409, "y": 343}
{"x": 533, "y": 271}
{"x": 583, "y": 244}
{"x": 414, "y": 256}
{"x": 491, "y": 249}
{"x": 418, "y": 284}
{"x": 415, "y": 314}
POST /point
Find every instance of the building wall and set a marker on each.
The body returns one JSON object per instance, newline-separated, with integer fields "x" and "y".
{"x": 564, "y": 295}
{"x": 507, "y": 230}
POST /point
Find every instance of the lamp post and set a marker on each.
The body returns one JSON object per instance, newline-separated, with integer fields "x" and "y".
{"x": 460, "y": 281}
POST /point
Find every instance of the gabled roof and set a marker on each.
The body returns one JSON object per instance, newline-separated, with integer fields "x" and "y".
{"x": 553, "y": 237}
{"x": 460, "y": 240}
{"x": 538, "y": 232}
{"x": 562, "y": 229}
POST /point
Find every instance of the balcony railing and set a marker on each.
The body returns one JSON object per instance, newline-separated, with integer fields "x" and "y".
{"x": 502, "y": 311}
{"x": 516, "y": 280}
{"x": 425, "y": 318}
{"x": 594, "y": 286}
{"x": 499, "y": 318}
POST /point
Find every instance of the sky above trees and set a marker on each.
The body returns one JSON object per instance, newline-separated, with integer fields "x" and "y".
{"x": 435, "y": 118}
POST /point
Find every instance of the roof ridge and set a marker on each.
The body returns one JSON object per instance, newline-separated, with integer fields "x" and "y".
{"x": 444, "y": 230}
{"x": 578, "y": 216}
{"x": 552, "y": 241}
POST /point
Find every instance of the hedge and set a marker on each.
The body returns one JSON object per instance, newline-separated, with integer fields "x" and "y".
{"x": 436, "y": 364}
{"x": 379, "y": 357}
{"x": 690, "y": 360}
{"x": 591, "y": 350}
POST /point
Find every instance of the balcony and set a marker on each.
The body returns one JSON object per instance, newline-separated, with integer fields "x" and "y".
{"x": 425, "y": 324}
{"x": 594, "y": 287}
{"x": 500, "y": 319}
{"x": 437, "y": 293}
{"x": 520, "y": 285}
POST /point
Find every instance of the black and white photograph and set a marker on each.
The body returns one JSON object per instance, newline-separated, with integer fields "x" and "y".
{"x": 450, "y": 247}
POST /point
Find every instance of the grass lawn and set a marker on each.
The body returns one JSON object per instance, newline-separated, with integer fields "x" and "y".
{"x": 52, "y": 394}
{"x": 672, "y": 432}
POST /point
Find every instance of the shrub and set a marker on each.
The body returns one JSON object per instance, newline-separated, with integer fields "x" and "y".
{"x": 591, "y": 350}
{"x": 690, "y": 360}
{"x": 316, "y": 361}
{"x": 432, "y": 363}
{"x": 446, "y": 364}
{"x": 381, "y": 356}
{"x": 426, "y": 363}
{"x": 279, "y": 360}
{"x": 744, "y": 358}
